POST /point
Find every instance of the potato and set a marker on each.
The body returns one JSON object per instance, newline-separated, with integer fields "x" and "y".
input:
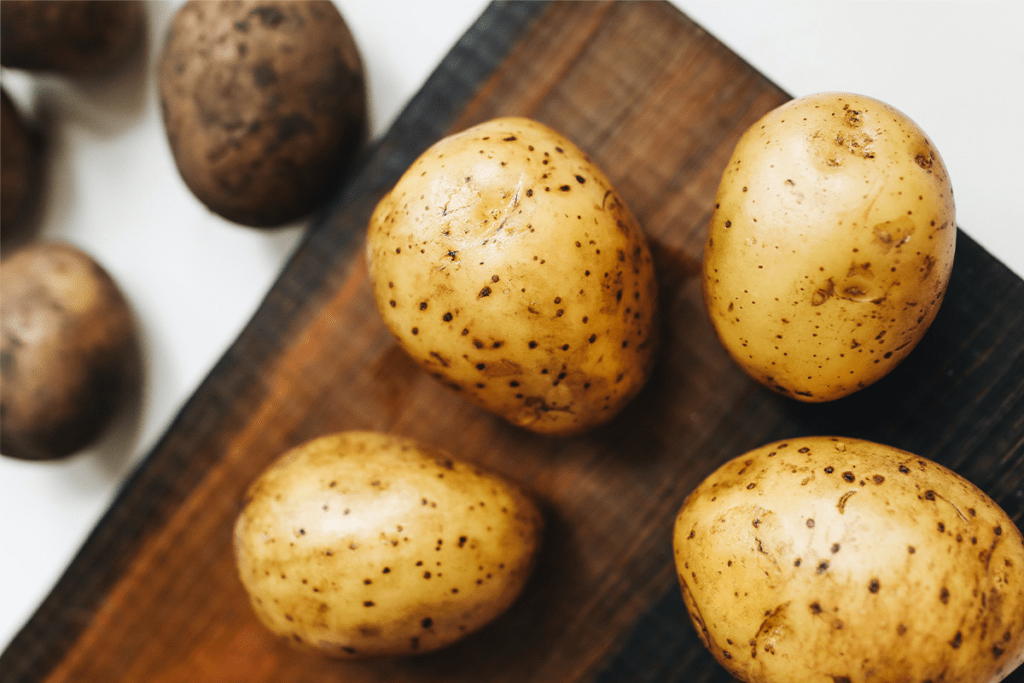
{"x": 506, "y": 265}
{"x": 72, "y": 37}
{"x": 362, "y": 544}
{"x": 830, "y": 245}
{"x": 264, "y": 104}
{"x": 69, "y": 354}
{"x": 18, "y": 166}
{"x": 841, "y": 560}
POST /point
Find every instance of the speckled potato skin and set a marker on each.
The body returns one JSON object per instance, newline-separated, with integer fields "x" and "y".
{"x": 69, "y": 353}
{"x": 825, "y": 559}
{"x": 362, "y": 544}
{"x": 830, "y": 245}
{"x": 264, "y": 104}
{"x": 507, "y": 266}
{"x": 72, "y": 37}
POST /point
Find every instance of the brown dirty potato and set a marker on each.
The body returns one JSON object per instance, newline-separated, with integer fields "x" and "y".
{"x": 363, "y": 544}
{"x": 264, "y": 103}
{"x": 830, "y": 246}
{"x": 69, "y": 354}
{"x": 840, "y": 560}
{"x": 18, "y": 166}
{"x": 71, "y": 37}
{"x": 506, "y": 265}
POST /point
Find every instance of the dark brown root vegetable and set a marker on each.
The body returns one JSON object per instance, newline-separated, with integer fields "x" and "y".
{"x": 18, "y": 166}
{"x": 264, "y": 105}
{"x": 68, "y": 351}
{"x": 73, "y": 37}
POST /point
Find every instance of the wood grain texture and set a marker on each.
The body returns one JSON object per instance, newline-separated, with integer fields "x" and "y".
{"x": 658, "y": 104}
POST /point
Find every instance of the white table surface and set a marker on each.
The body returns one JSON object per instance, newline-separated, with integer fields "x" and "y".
{"x": 194, "y": 280}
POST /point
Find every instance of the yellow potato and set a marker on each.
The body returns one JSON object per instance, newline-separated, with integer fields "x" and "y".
{"x": 830, "y": 245}
{"x": 507, "y": 266}
{"x": 362, "y": 544}
{"x": 831, "y": 559}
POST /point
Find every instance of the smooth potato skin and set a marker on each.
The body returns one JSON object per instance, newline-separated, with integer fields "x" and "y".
{"x": 264, "y": 104}
{"x": 506, "y": 265}
{"x": 830, "y": 246}
{"x": 69, "y": 354}
{"x": 368, "y": 545}
{"x": 831, "y": 559}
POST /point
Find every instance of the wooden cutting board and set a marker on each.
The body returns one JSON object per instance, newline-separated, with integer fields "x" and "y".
{"x": 658, "y": 103}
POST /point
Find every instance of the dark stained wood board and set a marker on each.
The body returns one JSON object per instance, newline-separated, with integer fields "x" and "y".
{"x": 658, "y": 103}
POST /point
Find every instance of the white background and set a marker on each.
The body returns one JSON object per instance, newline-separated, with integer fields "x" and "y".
{"x": 194, "y": 280}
